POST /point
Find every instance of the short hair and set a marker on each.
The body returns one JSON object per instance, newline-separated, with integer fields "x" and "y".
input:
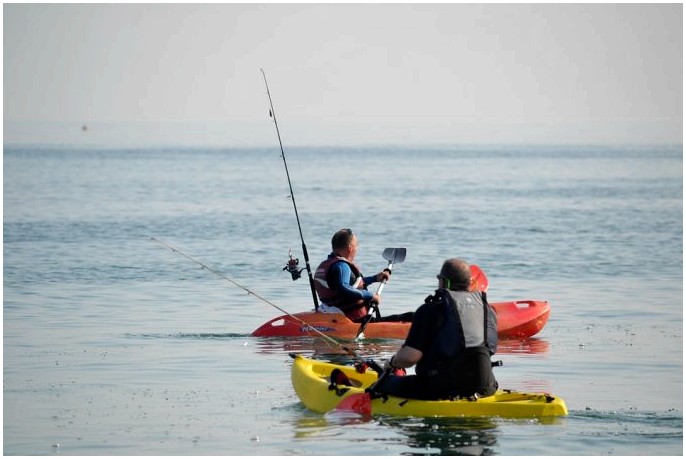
{"x": 459, "y": 273}
{"x": 341, "y": 239}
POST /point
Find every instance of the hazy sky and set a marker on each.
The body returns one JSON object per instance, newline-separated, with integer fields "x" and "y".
{"x": 351, "y": 73}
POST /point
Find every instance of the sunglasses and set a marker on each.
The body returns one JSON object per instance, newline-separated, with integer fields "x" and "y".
{"x": 446, "y": 281}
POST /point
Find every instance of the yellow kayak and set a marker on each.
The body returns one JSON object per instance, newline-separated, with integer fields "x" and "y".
{"x": 312, "y": 383}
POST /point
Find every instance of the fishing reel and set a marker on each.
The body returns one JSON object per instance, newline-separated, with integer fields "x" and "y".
{"x": 292, "y": 266}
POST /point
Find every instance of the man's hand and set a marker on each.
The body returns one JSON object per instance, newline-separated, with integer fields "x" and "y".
{"x": 383, "y": 276}
{"x": 388, "y": 366}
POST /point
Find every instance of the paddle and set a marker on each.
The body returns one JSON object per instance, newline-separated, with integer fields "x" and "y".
{"x": 361, "y": 403}
{"x": 357, "y": 403}
{"x": 392, "y": 255}
{"x": 479, "y": 280}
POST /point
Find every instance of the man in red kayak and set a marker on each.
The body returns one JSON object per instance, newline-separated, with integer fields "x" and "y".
{"x": 451, "y": 341}
{"x": 342, "y": 287}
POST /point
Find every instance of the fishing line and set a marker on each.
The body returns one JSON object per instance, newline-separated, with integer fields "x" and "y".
{"x": 293, "y": 263}
{"x": 258, "y": 296}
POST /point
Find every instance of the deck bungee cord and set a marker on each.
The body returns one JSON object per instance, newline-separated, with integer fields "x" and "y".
{"x": 292, "y": 265}
{"x": 375, "y": 366}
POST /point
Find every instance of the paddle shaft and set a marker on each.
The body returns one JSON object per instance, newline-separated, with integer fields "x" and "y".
{"x": 272, "y": 113}
{"x": 374, "y": 304}
{"x": 383, "y": 282}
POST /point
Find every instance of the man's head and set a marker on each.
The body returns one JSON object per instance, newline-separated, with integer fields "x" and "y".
{"x": 344, "y": 243}
{"x": 455, "y": 274}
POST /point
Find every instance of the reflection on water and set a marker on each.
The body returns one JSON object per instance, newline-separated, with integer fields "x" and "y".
{"x": 322, "y": 349}
{"x": 313, "y": 424}
{"x": 448, "y": 436}
{"x": 523, "y": 346}
{"x": 409, "y": 435}
{"x": 412, "y": 435}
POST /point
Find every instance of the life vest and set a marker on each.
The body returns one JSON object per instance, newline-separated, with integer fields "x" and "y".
{"x": 355, "y": 310}
{"x": 466, "y": 337}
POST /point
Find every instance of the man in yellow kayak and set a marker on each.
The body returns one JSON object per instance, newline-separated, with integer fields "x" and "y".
{"x": 342, "y": 287}
{"x": 451, "y": 341}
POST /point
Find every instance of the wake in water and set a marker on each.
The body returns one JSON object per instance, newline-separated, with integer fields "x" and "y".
{"x": 183, "y": 335}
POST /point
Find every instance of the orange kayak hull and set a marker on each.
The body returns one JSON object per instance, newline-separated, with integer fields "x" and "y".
{"x": 516, "y": 319}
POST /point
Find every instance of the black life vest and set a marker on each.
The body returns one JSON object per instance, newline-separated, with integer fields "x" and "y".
{"x": 465, "y": 338}
{"x": 355, "y": 310}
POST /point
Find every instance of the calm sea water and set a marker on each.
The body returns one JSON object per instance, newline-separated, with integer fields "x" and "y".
{"x": 114, "y": 345}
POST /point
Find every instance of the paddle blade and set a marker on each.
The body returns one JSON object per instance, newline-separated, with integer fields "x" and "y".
{"x": 394, "y": 255}
{"x": 357, "y": 403}
{"x": 479, "y": 280}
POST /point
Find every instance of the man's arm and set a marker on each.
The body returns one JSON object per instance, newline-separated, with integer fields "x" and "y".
{"x": 417, "y": 339}
{"x": 339, "y": 281}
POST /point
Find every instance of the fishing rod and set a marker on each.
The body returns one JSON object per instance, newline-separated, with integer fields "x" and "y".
{"x": 349, "y": 351}
{"x": 292, "y": 265}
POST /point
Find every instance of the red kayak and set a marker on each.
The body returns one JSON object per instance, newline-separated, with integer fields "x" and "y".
{"x": 516, "y": 319}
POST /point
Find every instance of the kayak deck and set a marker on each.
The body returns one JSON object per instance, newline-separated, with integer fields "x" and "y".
{"x": 311, "y": 381}
{"x": 516, "y": 319}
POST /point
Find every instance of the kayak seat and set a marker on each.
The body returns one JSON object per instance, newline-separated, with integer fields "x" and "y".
{"x": 339, "y": 378}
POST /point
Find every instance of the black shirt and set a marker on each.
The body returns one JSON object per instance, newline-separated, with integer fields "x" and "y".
{"x": 423, "y": 328}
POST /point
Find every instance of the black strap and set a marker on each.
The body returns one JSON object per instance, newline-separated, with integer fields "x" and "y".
{"x": 485, "y": 305}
